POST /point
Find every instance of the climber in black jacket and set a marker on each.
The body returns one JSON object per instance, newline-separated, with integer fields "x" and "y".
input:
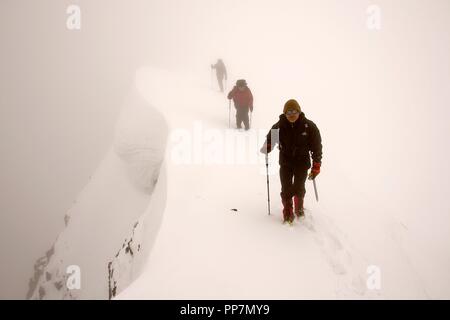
{"x": 299, "y": 140}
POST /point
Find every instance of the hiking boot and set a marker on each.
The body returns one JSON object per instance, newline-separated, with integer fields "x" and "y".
{"x": 288, "y": 212}
{"x": 298, "y": 207}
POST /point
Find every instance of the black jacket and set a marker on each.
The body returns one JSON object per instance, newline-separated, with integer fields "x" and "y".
{"x": 296, "y": 141}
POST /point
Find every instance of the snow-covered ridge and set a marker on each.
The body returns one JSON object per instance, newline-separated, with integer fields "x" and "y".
{"x": 204, "y": 249}
{"x": 207, "y": 250}
{"x": 123, "y": 201}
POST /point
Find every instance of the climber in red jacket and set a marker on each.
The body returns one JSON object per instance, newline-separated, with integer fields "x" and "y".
{"x": 243, "y": 102}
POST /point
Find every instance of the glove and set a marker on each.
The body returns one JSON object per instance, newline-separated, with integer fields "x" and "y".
{"x": 315, "y": 170}
{"x": 266, "y": 148}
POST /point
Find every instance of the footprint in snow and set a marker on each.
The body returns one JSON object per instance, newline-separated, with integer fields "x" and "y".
{"x": 337, "y": 256}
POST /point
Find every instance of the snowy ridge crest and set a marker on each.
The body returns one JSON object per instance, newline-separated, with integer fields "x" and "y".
{"x": 112, "y": 214}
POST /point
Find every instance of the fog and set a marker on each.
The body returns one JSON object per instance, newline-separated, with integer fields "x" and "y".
{"x": 385, "y": 94}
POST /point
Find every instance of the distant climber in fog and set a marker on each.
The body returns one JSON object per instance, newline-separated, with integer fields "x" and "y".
{"x": 221, "y": 72}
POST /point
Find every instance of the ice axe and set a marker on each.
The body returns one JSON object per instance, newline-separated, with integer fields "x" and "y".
{"x": 315, "y": 187}
{"x": 315, "y": 190}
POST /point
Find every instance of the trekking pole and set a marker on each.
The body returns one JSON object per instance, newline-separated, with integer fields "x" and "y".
{"x": 211, "y": 78}
{"x": 267, "y": 174}
{"x": 229, "y": 114}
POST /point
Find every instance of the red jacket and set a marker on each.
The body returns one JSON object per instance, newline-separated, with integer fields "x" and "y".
{"x": 241, "y": 99}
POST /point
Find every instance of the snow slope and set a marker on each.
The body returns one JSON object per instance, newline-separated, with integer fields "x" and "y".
{"x": 178, "y": 210}
{"x": 380, "y": 100}
{"x": 206, "y": 250}
{"x": 123, "y": 200}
